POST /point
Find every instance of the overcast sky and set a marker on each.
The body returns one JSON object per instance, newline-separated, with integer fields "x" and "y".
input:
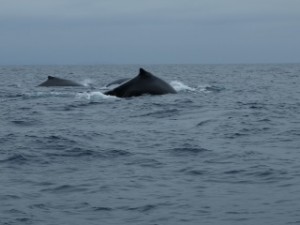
{"x": 149, "y": 32}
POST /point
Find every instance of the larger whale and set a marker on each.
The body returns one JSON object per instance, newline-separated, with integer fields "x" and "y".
{"x": 144, "y": 83}
{"x": 55, "y": 81}
{"x": 117, "y": 82}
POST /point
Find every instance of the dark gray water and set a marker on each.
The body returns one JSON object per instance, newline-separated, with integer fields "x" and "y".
{"x": 224, "y": 150}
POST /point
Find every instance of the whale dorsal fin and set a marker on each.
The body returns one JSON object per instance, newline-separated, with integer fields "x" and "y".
{"x": 142, "y": 70}
{"x": 51, "y": 78}
{"x": 144, "y": 74}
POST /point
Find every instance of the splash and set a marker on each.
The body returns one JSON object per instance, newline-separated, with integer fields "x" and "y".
{"x": 209, "y": 88}
{"x": 204, "y": 88}
{"x": 87, "y": 82}
{"x": 179, "y": 86}
{"x": 93, "y": 96}
{"x": 40, "y": 94}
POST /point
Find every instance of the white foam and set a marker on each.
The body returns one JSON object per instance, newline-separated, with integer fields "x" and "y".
{"x": 93, "y": 96}
{"x": 40, "y": 94}
{"x": 209, "y": 88}
{"x": 179, "y": 86}
{"x": 203, "y": 88}
{"x": 87, "y": 82}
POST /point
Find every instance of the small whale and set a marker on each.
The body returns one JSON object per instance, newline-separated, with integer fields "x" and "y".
{"x": 144, "y": 83}
{"x": 55, "y": 81}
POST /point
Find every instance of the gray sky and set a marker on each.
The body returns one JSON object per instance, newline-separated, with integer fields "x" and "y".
{"x": 149, "y": 32}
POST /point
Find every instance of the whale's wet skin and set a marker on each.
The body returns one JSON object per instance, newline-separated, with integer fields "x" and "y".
{"x": 117, "y": 82}
{"x": 223, "y": 150}
{"x": 143, "y": 83}
{"x": 58, "y": 82}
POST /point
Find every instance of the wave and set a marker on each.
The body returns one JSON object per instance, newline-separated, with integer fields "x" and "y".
{"x": 22, "y": 159}
{"x": 164, "y": 113}
{"x": 91, "y": 96}
{"x": 102, "y": 208}
{"x": 188, "y": 150}
{"x": 180, "y": 86}
{"x": 15, "y": 158}
{"x": 193, "y": 171}
{"x": 256, "y": 174}
{"x": 66, "y": 188}
{"x": 78, "y": 152}
{"x": 146, "y": 208}
{"x": 41, "y": 94}
{"x": 36, "y": 94}
{"x": 143, "y": 208}
{"x": 57, "y": 153}
{"x": 151, "y": 163}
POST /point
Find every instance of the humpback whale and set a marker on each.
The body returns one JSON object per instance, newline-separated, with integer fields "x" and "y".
{"x": 55, "y": 81}
{"x": 118, "y": 81}
{"x": 144, "y": 83}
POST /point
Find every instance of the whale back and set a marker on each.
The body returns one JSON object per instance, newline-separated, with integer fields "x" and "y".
{"x": 144, "y": 83}
{"x": 55, "y": 81}
{"x": 117, "y": 82}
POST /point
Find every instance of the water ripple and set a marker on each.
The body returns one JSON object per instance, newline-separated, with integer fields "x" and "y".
{"x": 66, "y": 188}
{"x": 188, "y": 151}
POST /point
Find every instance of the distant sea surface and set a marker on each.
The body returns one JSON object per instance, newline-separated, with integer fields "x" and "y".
{"x": 224, "y": 150}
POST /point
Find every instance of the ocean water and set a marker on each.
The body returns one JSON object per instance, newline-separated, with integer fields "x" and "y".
{"x": 224, "y": 150}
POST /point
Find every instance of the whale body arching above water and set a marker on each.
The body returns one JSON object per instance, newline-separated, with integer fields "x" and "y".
{"x": 144, "y": 83}
{"x": 117, "y": 82}
{"x": 55, "y": 81}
